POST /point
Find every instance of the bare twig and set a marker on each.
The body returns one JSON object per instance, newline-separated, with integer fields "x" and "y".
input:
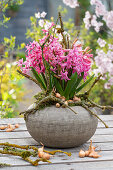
{"x": 96, "y": 80}
{"x": 83, "y": 105}
{"x": 99, "y": 106}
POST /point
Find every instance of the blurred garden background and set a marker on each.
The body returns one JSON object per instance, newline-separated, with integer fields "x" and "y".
{"x": 21, "y": 22}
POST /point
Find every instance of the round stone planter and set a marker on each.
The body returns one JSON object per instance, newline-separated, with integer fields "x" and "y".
{"x": 60, "y": 127}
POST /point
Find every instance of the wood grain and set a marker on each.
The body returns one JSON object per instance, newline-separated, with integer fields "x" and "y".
{"x": 103, "y": 138}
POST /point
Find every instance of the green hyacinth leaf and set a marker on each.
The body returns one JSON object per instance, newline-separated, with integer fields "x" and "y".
{"x": 73, "y": 89}
{"x": 70, "y": 85}
{"x": 39, "y": 78}
{"x": 58, "y": 86}
{"x": 84, "y": 84}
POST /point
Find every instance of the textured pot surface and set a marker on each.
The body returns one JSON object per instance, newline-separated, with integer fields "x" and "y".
{"x": 60, "y": 127}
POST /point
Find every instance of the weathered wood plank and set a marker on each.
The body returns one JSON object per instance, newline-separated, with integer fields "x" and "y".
{"x": 106, "y": 117}
{"x": 103, "y": 138}
{"x": 101, "y": 165}
{"x": 22, "y": 126}
{"x": 102, "y": 146}
{"x": 60, "y": 159}
{"x": 27, "y": 141}
{"x": 17, "y": 135}
{"x": 24, "y": 141}
{"x": 14, "y": 135}
{"x": 12, "y": 120}
{"x": 21, "y": 120}
{"x": 109, "y": 123}
{"x": 25, "y": 134}
{"x": 104, "y": 131}
{"x": 23, "y": 130}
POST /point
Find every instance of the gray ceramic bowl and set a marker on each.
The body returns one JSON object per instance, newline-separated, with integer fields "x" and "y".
{"x": 60, "y": 127}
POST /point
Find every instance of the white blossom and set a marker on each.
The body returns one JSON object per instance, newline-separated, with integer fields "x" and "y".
{"x": 41, "y": 22}
{"x": 107, "y": 85}
{"x": 96, "y": 24}
{"x": 87, "y": 20}
{"x": 104, "y": 63}
{"x": 48, "y": 25}
{"x": 101, "y": 42}
{"x": 37, "y": 15}
{"x": 103, "y": 60}
{"x": 108, "y": 18}
{"x": 71, "y": 3}
{"x": 110, "y": 46}
{"x": 43, "y": 14}
{"x": 99, "y": 9}
{"x": 11, "y": 91}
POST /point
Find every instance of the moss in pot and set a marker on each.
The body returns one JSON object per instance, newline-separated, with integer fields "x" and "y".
{"x": 61, "y": 117}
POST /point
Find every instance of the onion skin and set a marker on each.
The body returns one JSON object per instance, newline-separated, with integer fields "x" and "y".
{"x": 90, "y": 152}
{"x": 81, "y": 154}
{"x": 63, "y": 98}
{"x": 66, "y": 103}
{"x": 86, "y": 153}
{"x": 96, "y": 156}
{"x": 76, "y": 99}
{"x": 9, "y": 130}
{"x": 46, "y": 156}
{"x": 58, "y": 95}
{"x": 57, "y": 105}
{"x": 17, "y": 125}
{"x": 3, "y": 127}
{"x": 40, "y": 154}
{"x": 40, "y": 150}
{"x": 10, "y": 126}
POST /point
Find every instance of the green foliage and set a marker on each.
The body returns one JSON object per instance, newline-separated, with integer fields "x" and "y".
{"x": 70, "y": 84}
{"x": 84, "y": 84}
{"x": 11, "y": 84}
{"x": 9, "y": 43}
{"x": 14, "y": 7}
{"x": 11, "y": 90}
{"x": 88, "y": 38}
{"x": 58, "y": 86}
{"x": 74, "y": 88}
{"x": 69, "y": 26}
{"x": 4, "y": 5}
{"x": 34, "y": 32}
{"x": 39, "y": 78}
{"x": 66, "y": 89}
{"x": 84, "y": 6}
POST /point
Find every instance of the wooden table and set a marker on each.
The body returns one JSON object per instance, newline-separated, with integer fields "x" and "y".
{"x": 103, "y": 138}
